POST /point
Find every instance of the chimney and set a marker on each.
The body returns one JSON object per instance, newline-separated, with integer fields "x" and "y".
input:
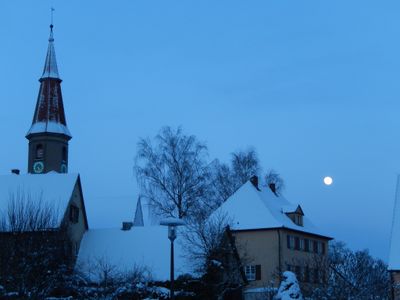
{"x": 272, "y": 186}
{"x": 127, "y": 226}
{"x": 254, "y": 181}
{"x": 15, "y": 171}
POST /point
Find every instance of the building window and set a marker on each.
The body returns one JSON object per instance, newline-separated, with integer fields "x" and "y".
{"x": 73, "y": 214}
{"x": 250, "y": 272}
{"x": 297, "y": 243}
{"x": 306, "y": 274}
{"x": 64, "y": 154}
{"x": 307, "y": 245}
{"x": 316, "y": 276}
{"x": 290, "y": 241}
{"x": 297, "y": 271}
{"x": 39, "y": 151}
{"x": 315, "y": 246}
{"x": 298, "y": 219}
{"x": 319, "y": 247}
{"x": 302, "y": 247}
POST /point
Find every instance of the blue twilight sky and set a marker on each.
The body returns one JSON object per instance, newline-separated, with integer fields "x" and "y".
{"x": 312, "y": 85}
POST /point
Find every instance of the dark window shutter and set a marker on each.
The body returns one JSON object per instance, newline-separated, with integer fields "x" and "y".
{"x": 316, "y": 276}
{"x": 307, "y": 245}
{"x": 315, "y": 247}
{"x": 288, "y": 241}
{"x": 296, "y": 243}
{"x": 258, "y": 272}
{"x": 297, "y": 271}
{"x": 323, "y": 248}
{"x": 306, "y": 274}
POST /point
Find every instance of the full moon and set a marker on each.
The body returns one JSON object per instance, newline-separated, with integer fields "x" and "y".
{"x": 328, "y": 180}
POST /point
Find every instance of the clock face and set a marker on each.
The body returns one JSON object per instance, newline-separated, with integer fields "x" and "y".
{"x": 38, "y": 167}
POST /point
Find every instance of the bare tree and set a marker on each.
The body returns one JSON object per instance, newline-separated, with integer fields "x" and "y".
{"x": 273, "y": 178}
{"x": 210, "y": 247}
{"x": 353, "y": 275}
{"x": 34, "y": 249}
{"x": 173, "y": 173}
{"x": 226, "y": 179}
{"x": 244, "y": 165}
{"x": 26, "y": 214}
{"x": 222, "y": 182}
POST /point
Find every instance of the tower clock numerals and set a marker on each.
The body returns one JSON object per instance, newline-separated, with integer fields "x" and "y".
{"x": 38, "y": 167}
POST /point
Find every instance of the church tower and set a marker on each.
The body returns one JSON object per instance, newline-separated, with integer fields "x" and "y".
{"x": 49, "y": 135}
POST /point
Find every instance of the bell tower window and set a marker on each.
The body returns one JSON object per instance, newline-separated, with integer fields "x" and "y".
{"x": 64, "y": 154}
{"x": 39, "y": 152}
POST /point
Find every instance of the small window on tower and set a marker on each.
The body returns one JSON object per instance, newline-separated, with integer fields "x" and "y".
{"x": 39, "y": 151}
{"x": 64, "y": 154}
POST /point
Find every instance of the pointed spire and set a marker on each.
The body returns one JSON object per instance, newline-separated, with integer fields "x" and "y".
{"x": 138, "y": 221}
{"x": 50, "y": 69}
{"x": 49, "y": 113}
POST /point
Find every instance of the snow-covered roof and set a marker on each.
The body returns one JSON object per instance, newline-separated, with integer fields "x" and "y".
{"x": 51, "y": 127}
{"x": 394, "y": 252}
{"x": 122, "y": 250}
{"x": 51, "y": 189}
{"x": 251, "y": 209}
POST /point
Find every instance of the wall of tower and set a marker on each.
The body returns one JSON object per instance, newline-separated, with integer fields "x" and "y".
{"x": 54, "y": 154}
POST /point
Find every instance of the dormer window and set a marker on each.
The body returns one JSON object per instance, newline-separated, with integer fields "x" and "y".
{"x": 298, "y": 219}
{"x": 296, "y": 216}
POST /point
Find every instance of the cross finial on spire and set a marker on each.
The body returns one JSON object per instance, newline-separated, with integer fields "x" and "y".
{"x": 52, "y": 11}
{"x": 51, "y": 39}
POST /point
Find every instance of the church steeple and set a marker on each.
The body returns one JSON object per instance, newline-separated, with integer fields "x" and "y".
{"x": 50, "y": 69}
{"x": 49, "y": 135}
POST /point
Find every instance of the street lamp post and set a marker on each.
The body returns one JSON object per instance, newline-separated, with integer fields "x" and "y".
{"x": 172, "y": 224}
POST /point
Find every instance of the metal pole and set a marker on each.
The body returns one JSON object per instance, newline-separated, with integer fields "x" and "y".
{"x": 172, "y": 294}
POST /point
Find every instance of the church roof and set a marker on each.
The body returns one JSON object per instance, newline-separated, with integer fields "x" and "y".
{"x": 250, "y": 208}
{"x": 49, "y": 116}
{"x": 52, "y": 190}
{"x": 123, "y": 250}
{"x": 394, "y": 252}
{"x": 138, "y": 220}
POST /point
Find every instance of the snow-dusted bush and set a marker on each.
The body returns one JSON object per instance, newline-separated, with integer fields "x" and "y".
{"x": 289, "y": 288}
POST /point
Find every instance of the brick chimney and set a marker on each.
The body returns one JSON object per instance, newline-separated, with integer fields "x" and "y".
{"x": 126, "y": 226}
{"x": 15, "y": 171}
{"x": 272, "y": 186}
{"x": 254, "y": 181}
